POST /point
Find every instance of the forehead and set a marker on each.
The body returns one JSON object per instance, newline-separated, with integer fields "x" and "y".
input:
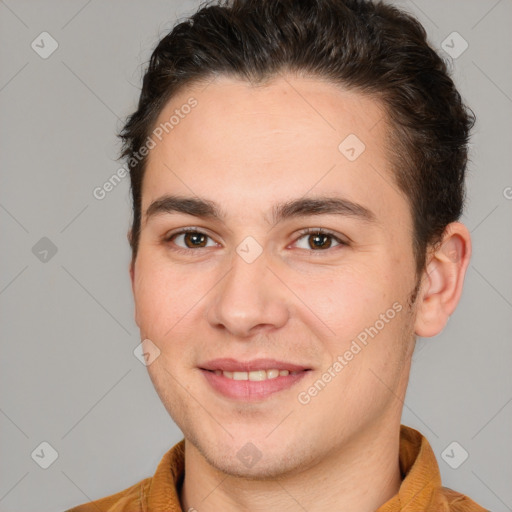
{"x": 249, "y": 144}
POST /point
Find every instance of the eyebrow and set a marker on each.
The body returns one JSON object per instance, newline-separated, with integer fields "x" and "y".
{"x": 302, "y": 207}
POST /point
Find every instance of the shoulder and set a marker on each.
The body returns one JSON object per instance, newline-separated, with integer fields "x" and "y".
{"x": 148, "y": 493}
{"x": 131, "y": 499}
{"x": 457, "y": 502}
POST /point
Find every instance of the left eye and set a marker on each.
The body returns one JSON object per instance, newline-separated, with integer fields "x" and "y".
{"x": 319, "y": 240}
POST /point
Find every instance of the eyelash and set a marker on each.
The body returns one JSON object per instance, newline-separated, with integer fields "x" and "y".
{"x": 302, "y": 233}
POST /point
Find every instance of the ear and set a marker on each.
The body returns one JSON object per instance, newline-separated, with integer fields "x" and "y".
{"x": 131, "y": 270}
{"x": 442, "y": 280}
{"x": 131, "y": 266}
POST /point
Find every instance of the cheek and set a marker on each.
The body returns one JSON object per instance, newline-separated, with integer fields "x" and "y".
{"x": 345, "y": 299}
{"x": 164, "y": 295}
{"x": 365, "y": 314}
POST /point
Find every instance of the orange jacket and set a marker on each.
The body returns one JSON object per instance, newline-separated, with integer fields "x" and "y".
{"x": 420, "y": 491}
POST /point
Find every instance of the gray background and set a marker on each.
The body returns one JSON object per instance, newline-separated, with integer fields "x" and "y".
{"x": 68, "y": 374}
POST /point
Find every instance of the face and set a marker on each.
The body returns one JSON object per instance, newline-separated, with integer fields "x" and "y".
{"x": 298, "y": 258}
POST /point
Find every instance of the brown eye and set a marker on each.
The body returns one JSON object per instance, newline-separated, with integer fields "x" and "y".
{"x": 318, "y": 240}
{"x": 194, "y": 240}
{"x": 190, "y": 239}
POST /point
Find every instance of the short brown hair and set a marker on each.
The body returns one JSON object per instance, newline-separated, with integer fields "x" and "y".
{"x": 361, "y": 45}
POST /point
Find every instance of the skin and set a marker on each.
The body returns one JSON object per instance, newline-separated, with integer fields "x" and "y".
{"x": 247, "y": 148}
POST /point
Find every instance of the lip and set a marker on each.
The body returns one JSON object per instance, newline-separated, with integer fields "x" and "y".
{"x": 251, "y": 391}
{"x": 232, "y": 365}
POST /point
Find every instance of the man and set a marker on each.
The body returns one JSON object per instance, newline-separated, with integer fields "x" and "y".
{"x": 297, "y": 174}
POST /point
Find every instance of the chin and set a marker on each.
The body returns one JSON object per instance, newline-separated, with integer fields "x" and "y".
{"x": 269, "y": 467}
{"x": 256, "y": 460}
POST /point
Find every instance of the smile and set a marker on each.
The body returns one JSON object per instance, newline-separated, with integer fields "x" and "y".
{"x": 257, "y": 375}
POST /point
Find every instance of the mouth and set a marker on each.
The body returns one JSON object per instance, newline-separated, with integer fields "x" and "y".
{"x": 256, "y": 375}
{"x": 251, "y": 380}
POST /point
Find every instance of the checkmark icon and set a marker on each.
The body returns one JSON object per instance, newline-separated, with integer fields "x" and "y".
{"x": 249, "y": 455}
{"x": 454, "y": 45}
{"x": 44, "y": 455}
{"x": 351, "y": 147}
{"x": 44, "y": 250}
{"x": 146, "y": 352}
{"x": 249, "y": 249}
{"x": 44, "y": 45}
{"x": 454, "y": 455}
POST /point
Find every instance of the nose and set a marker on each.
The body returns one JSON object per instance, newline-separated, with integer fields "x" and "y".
{"x": 249, "y": 299}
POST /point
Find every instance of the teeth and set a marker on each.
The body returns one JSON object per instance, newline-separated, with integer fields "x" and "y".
{"x": 257, "y": 375}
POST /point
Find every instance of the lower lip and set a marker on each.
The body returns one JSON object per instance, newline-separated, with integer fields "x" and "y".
{"x": 250, "y": 390}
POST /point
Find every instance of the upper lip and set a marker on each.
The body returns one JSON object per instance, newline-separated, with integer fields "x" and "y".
{"x": 232, "y": 365}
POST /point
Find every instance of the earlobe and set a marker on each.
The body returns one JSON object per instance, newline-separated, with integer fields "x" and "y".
{"x": 443, "y": 280}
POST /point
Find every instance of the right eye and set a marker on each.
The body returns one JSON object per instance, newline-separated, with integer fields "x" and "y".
{"x": 191, "y": 238}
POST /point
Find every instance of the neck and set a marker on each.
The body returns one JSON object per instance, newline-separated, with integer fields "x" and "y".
{"x": 359, "y": 477}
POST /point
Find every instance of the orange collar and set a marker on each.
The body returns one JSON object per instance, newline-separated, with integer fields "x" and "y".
{"x": 420, "y": 489}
